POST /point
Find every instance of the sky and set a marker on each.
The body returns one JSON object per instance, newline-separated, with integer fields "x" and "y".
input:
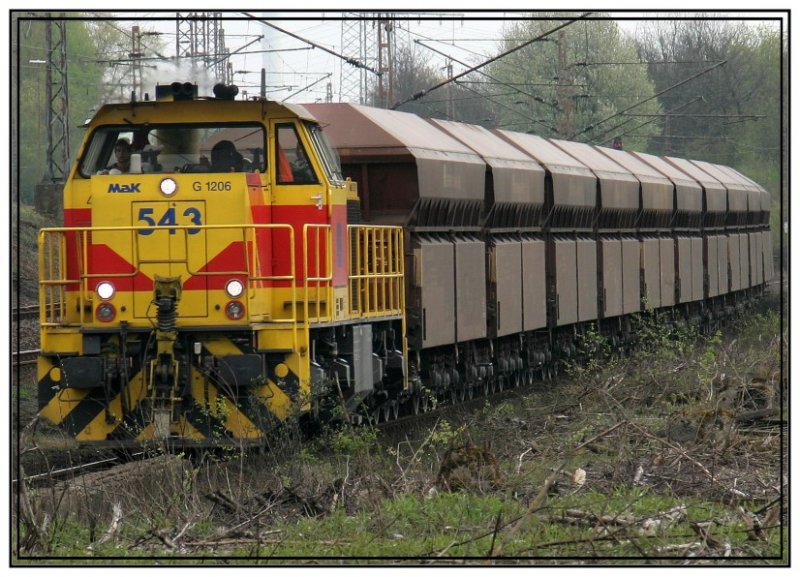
{"x": 466, "y": 35}
{"x": 298, "y": 71}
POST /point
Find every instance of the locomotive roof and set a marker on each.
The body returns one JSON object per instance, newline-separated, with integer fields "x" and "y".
{"x": 200, "y": 110}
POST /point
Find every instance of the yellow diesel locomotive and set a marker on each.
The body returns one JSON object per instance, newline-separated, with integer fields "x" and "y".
{"x": 204, "y": 284}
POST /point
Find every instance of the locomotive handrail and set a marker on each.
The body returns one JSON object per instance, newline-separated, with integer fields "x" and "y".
{"x": 377, "y": 272}
{"x": 320, "y": 282}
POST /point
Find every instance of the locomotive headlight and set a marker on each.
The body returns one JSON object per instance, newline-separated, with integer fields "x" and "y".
{"x": 234, "y": 288}
{"x": 105, "y": 312}
{"x": 105, "y": 290}
{"x": 234, "y": 310}
{"x": 168, "y": 187}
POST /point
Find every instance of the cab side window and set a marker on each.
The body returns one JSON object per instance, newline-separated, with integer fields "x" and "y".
{"x": 292, "y": 160}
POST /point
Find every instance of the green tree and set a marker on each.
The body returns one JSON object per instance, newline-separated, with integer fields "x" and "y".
{"x": 738, "y": 119}
{"x": 574, "y": 83}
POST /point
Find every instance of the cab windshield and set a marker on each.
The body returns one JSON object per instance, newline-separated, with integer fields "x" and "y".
{"x": 327, "y": 153}
{"x": 175, "y": 148}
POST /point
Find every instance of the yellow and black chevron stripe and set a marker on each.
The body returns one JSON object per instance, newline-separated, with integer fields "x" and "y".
{"x": 210, "y": 412}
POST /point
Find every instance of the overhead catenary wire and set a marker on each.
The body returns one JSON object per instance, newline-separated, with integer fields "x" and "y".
{"x": 645, "y": 62}
{"x": 351, "y": 61}
{"x": 328, "y": 75}
{"x": 501, "y": 104}
{"x": 509, "y": 85}
{"x": 656, "y": 95}
{"x": 643, "y": 124}
{"x": 237, "y": 51}
{"x": 422, "y": 93}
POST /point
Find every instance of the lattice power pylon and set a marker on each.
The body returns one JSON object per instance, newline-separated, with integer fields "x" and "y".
{"x": 353, "y": 80}
{"x": 200, "y": 37}
{"x": 47, "y": 193}
{"x": 57, "y": 102}
{"x": 370, "y": 39}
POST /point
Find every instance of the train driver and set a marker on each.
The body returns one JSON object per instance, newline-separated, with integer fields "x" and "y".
{"x": 225, "y": 157}
{"x": 122, "y": 151}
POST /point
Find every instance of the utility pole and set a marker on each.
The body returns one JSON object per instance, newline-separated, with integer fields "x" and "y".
{"x": 386, "y": 60}
{"x": 136, "y": 64}
{"x": 565, "y": 90}
{"x": 450, "y": 110}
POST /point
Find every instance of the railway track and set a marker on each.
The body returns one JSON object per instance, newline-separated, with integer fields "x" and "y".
{"x": 22, "y": 358}
{"x": 70, "y": 473}
{"x": 28, "y": 312}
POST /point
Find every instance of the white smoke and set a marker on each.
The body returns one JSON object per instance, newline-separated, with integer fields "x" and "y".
{"x": 184, "y": 70}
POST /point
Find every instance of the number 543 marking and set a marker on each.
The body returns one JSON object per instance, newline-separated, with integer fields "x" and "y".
{"x": 168, "y": 219}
